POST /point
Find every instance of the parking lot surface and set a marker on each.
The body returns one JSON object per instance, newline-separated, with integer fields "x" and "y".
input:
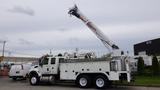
{"x": 9, "y": 84}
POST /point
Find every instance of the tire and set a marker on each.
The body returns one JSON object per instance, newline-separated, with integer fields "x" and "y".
{"x": 34, "y": 80}
{"x": 101, "y": 82}
{"x": 14, "y": 79}
{"x": 83, "y": 81}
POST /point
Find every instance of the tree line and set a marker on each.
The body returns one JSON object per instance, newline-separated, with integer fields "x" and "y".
{"x": 148, "y": 70}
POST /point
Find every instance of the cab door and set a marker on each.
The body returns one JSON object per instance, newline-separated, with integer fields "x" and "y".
{"x": 45, "y": 66}
{"x": 54, "y": 64}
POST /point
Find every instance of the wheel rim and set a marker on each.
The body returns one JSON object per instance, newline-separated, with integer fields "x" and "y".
{"x": 83, "y": 81}
{"x": 33, "y": 80}
{"x": 100, "y": 82}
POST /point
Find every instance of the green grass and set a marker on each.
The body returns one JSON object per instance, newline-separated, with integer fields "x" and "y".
{"x": 143, "y": 81}
{"x": 147, "y": 80}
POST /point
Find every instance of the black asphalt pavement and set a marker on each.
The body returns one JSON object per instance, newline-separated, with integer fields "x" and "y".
{"x": 9, "y": 84}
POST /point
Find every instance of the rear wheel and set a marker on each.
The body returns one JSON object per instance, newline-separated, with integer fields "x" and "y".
{"x": 34, "y": 80}
{"x": 101, "y": 82}
{"x": 83, "y": 81}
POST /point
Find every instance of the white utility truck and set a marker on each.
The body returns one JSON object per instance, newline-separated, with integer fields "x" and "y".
{"x": 85, "y": 72}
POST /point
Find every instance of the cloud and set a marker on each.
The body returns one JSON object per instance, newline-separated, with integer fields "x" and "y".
{"x": 125, "y": 22}
{"x": 25, "y": 42}
{"x": 23, "y": 10}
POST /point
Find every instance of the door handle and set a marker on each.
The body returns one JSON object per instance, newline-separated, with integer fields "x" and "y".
{"x": 47, "y": 69}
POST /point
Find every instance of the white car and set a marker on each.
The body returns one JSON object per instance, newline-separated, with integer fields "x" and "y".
{"x": 19, "y": 71}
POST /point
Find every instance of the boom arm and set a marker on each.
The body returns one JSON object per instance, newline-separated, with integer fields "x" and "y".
{"x": 75, "y": 12}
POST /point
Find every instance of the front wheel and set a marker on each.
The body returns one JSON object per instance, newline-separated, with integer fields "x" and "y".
{"x": 34, "y": 80}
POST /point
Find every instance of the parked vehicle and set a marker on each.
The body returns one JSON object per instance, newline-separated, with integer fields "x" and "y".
{"x": 19, "y": 71}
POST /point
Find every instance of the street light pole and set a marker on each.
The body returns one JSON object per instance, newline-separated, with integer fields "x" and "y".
{"x": 4, "y": 42}
{"x": 2, "y": 57}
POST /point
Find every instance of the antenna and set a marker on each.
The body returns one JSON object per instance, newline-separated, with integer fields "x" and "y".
{"x": 74, "y": 2}
{"x": 77, "y": 50}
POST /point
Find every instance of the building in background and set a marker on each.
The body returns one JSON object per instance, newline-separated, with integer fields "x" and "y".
{"x": 150, "y": 47}
{"x": 20, "y": 59}
{"x": 147, "y": 49}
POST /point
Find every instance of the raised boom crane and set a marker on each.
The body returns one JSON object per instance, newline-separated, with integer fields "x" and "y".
{"x": 105, "y": 40}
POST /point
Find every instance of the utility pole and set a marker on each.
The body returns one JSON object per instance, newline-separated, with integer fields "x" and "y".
{"x": 4, "y": 42}
{"x": 2, "y": 57}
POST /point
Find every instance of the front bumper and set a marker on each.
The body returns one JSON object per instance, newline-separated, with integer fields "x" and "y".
{"x": 16, "y": 77}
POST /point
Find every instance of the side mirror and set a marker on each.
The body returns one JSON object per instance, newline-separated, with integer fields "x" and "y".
{"x": 40, "y": 64}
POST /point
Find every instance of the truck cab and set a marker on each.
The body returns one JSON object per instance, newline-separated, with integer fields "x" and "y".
{"x": 47, "y": 69}
{"x": 49, "y": 65}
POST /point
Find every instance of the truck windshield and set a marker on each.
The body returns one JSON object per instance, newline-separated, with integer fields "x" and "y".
{"x": 45, "y": 61}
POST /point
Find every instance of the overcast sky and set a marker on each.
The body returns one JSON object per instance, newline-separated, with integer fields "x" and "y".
{"x": 33, "y": 27}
